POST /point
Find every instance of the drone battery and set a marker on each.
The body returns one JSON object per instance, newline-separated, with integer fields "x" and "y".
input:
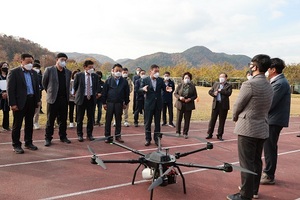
{"x": 171, "y": 178}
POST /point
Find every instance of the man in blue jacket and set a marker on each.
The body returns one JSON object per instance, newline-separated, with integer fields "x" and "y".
{"x": 279, "y": 116}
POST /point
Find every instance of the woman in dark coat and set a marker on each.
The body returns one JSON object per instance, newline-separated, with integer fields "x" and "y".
{"x": 3, "y": 97}
{"x": 185, "y": 94}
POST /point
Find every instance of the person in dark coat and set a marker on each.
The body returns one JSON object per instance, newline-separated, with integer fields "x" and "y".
{"x": 185, "y": 95}
{"x": 168, "y": 101}
{"x": 3, "y": 97}
{"x": 279, "y": 115}
{"x": 139, "y": 98}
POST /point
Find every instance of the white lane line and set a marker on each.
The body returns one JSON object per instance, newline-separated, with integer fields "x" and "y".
{"x": 141, "y": 181}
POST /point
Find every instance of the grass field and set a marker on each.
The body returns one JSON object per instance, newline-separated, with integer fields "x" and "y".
{"x": 202, "y": 111}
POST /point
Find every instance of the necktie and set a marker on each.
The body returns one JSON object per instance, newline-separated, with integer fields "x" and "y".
{"x": 88, "y": 87}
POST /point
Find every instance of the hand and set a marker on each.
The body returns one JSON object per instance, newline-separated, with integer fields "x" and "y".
{"x": 169, "y": 89}
{"x": 105, "y": 106}
{"x": 145, "y": 88}
{"x": 14, "y": 108}
{"x": 182, "y": 99}
{"x": 124, "y": 106}
{"x": 4, "y": 95}
{"x": 98, "y": 95}
{"x": 216, "y": 93}
{"x": 188, "y": 100}
{"x": 219, "y": 90}
{"x": 39, "y": 103}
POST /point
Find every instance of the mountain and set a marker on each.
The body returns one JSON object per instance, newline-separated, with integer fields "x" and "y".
{"x": 79, "y": 57}
{"x": 194, "y": 57}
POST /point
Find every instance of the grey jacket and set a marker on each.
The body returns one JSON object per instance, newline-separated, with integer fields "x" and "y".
{"x": 250, "y": 110}
{"x": 50, "y": 83}
{"x": 279, "y": 113}
{"x": 191, "y": 94}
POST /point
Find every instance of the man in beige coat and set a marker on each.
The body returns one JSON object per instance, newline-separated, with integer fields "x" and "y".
{"x": 250, "y": 112}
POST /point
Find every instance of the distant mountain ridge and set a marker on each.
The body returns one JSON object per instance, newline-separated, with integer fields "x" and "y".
{"x": 196, "y": 56}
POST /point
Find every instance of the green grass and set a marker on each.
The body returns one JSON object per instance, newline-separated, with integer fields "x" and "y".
{"x": 202, "y": 111}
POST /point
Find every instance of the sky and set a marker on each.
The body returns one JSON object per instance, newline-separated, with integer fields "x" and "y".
{"x": 133, "y": 28}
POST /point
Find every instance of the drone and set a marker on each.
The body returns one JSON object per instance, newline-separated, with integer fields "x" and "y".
{"x": 160, "y": 166}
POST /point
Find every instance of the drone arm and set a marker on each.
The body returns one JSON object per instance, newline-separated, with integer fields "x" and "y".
{"x": 124, "y": 161}
{"x": 128, "y": 148}
{"x": 179, "y": 155}
{"x": 226, "y": 167}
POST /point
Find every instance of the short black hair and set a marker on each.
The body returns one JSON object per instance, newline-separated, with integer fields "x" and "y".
{"x": 73, "y": 74}
{"x": 154, "y": 67}
{"x": 87, "y": 63}
{"x": 224, "y": 74}
{"x": 99, "y": 73}
{"x": 167, "y": 73}
{"x": 61, "y": 55}
{"x": 125, "y": 69}
{"x": 142, "y": 71}
{"x": 262, "y": 61}
{"x": 2, "y": 63}
{"x": 187, "y": 73}
{"x": 278, "y": 64}
{"x": 26, "y": 55}
{"x": 117, "y": 65}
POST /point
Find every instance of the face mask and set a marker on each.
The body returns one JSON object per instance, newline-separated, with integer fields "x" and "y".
{"x": 222, "y": 80}
{"x": 267, "y": 74}
{"x": 137, "y": 72}
{"x": 4, "y": 70}
{"x": 90, "y": 71}
{"x": 118, "y": 74}
{"x": 62, "y": 63}
{"x": 250, "y": 77}
{"x": 37, "y": 70}
{"x": 156, "y": 75}
{"x": 143, "y": 76}
{"x": 125, "y": 75}
{"x": 187, "y": 80}
{"x": 28, "y": 66}
{"x": 166, "y": 78}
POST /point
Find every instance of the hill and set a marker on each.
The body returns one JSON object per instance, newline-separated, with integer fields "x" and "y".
{"x": 79, "y": 57}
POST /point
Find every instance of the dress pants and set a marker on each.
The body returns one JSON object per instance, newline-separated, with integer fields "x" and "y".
{"x": 27, "y": 112}
{"x": 148, "y": 115}
{"x": 186, "y": 114}
{"x": 139, "y": 109}
{"x": 271, "y": 150}
{"x": 250, "y": 151}
{"x": 168, "y": 106}
{"x": 88, "y": 105}
{"x": 116, "y": 110}
{"x": 222, "y": 113}
{"x": 59, "y": 110}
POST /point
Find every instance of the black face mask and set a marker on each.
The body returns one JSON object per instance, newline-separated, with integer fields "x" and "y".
{"x": 4, "y": 70}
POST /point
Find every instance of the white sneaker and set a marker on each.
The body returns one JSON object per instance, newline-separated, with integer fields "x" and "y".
{"x": 126, "y": 124}
{"x": 36, "y": 126}
{"x": 71, "y": 125}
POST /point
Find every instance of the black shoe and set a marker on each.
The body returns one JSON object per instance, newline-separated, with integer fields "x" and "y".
{"x": 164, "y": 124}
{"x": 237, "y": 196}
{"x": 109, "y": 140}
{"x": 156, "y": 143}
{"x": 80, "y": 138}
{"x": 90, "y": 138}
{"x": 18, "y": 150}
{"x": 220, "y": 137}
{"x": 65, "y": 140}
{"x": 47, "y": 142}
{"x": 31, "y": 147}
{"x": 298, "y": 135}
{"x": 136, "y": 124}
{"x": 209, "y": 137}
{"x": 119, "y": 140}
{"x": 172, "y": 125}
{"x": 147, "y": 143}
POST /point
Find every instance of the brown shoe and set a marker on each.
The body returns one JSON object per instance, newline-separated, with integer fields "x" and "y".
{"x": 119, "y": 140}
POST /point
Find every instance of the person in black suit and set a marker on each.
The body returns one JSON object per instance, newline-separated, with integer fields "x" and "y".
{"x": 278, "y": 117}
{"x": 4, "y": 106}
{"x": 23, "y": 97}
{"x": 153, "y": 86}
{"x": 86, "y": 93}
{"x": 115, "y": 98}
{"x": 99, "y": 100}
{"x": 136, "y": 77}
{"x": 221, "y": 92}
{"x": 168, "y": 100}
{"x": 139, "y": 98}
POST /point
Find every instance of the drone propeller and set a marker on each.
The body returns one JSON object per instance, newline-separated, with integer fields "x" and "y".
{"x": 160, "y": 180}
{"x": 97, "y": 159}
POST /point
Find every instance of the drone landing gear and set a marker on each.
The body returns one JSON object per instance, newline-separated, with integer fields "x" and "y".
{"x": 134, "y": 175}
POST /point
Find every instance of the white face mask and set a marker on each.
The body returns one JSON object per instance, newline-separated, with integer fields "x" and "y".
{"x": 125, "y": 75}
{"x": 249, "y": 77}
{"x": 186, "y": 80}
{"x": 90, "y": 71}
{"x": 28, "y": 66}
{"x": 156, "y": 75}
{"x": 143, "y": 76}
{"x": 62, "y": 63}
{"x": 167, "y": 78}
{"x": 137, "y": 72}
{"x": 267, "y": 74}
{"x": 37, "y": 70}
{"x": 118, "y": 74}
{"x": 222, "y": 80}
